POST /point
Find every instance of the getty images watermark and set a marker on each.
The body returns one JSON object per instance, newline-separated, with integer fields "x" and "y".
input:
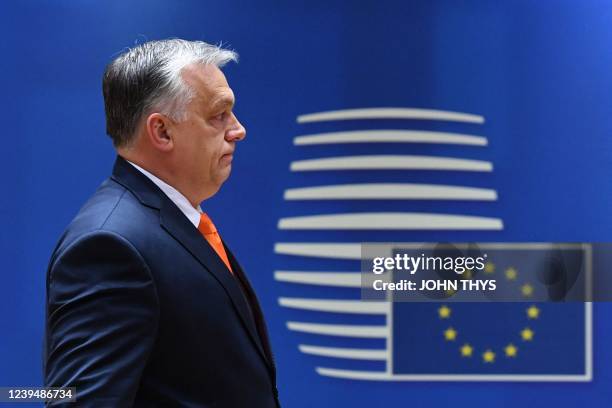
{"x": 477, "y": 272}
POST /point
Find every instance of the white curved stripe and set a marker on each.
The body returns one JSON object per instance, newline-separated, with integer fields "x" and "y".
{"x": 367, "y": 332}
{"x": 390, "y": 136}
{"x": 390, "y": 191}
{"x": 353, "y": 374}
{"x": 390, "y": 221}
{"x": 356, "y": 354}
{"x": 390, "y": 162}
{"x": 320, "y": 250}
{"x": 384, "y": 376}
{"x": 353, "y": 250}
{"x": 390, "y": 113}
{"x": 338, "y": 306}
{"x": 347, "y": 280}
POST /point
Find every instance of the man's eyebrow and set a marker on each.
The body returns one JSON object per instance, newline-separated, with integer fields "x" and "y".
{"x": 223, "y": 101}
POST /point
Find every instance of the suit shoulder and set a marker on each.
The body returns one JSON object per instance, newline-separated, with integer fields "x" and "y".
{"x": 111, "y": 209}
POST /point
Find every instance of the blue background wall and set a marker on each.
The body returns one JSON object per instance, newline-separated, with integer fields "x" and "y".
{"x": 539, "y": 71}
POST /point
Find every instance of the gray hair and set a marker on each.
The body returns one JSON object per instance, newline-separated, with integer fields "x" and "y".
{"x": 148, "y": 78}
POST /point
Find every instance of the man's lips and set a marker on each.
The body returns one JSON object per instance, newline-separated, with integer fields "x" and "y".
{"x": 228, "y": 156}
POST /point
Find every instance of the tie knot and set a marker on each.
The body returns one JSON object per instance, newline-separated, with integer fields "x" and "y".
{"x": 206, "y": 225}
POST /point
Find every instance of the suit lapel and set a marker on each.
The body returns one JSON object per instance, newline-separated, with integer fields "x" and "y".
{"x": 255, "y": 307}
{"x": 179, "y": 227}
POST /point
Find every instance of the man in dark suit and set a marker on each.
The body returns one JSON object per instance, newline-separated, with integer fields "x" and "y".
{"x": 146, "y": 306}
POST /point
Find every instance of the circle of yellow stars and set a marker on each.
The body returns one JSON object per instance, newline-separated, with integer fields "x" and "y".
{"x": 488, "y": 356}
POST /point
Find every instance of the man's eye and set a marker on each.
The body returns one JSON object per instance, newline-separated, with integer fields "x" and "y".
{"x": 220, "y": 116}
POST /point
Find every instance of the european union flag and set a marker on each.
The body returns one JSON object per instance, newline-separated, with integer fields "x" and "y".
{"x": 526, "y": 340}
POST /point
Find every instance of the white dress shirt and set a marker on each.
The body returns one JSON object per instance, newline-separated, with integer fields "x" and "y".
{"x": 183, "y": 204}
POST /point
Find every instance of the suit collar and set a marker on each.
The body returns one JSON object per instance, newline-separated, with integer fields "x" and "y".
{"x": 183, "y": 204}
{"x": 140, "y": 185}
{"x": 179, "y": 227}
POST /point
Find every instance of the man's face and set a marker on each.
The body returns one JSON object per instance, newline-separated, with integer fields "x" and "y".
{"x": 204, "y": 142}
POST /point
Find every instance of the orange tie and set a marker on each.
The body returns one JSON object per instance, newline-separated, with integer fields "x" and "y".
{"x": 209, "y": 231}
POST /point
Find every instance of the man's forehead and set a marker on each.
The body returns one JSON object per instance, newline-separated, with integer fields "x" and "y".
{"x": 209, "y": 84}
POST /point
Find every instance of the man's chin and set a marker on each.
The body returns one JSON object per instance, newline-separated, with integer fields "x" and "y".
{"x": 223, "y": 176}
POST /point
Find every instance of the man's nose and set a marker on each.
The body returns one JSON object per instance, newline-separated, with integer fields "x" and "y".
{"x": 236, "y": 132}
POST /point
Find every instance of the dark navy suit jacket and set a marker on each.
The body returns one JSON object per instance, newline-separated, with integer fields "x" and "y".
{"x": 141, "y": 311}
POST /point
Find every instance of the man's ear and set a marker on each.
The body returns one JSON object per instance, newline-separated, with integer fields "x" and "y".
{"x": 158, "y": 131}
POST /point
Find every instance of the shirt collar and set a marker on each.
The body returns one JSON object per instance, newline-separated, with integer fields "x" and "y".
{"x": 183, "y": 204}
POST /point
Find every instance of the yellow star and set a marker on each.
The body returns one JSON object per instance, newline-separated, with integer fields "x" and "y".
{"x": 527, "y": 290}
{"x": 450, "y": 334}
{"x": 527, "y": 334}
{"x": 511, "y": 350}
{"x": 488, "y": 356}
{"x": 511, "y": 273}
{"x": 450, "y": 292}
{"x": 444, "y": 312}
{"x": 466, "y": 350}
{"x": 533, "y": 312}
{"x": 467, "y": 274}
{"x": 489, "y": 267}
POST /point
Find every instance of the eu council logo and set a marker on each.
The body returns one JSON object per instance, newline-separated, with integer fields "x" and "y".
{"x": 358, "y": 181}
